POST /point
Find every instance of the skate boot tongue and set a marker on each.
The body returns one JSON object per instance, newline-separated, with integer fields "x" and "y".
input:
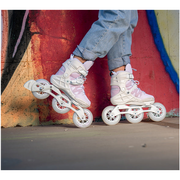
{"x": 129, "y": 68}
{"x": 88, "y": 64}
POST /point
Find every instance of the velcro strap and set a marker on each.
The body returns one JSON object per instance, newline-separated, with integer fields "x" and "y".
{"x": 83, "y": 72}
{"x": 130, "y": 76}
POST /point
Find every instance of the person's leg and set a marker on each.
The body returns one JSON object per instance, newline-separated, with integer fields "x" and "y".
{"x": 103, "y": 34}
{"x": 124, "y": 89}
{"x": 118, "y": 56}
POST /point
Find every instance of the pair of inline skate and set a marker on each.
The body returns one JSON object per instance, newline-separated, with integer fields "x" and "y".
{"x": 125, "y": 95}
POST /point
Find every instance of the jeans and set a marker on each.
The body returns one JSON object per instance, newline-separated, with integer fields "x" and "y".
{"x": 110, "y": 35}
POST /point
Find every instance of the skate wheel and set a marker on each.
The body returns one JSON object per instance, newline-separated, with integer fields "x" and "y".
{"x": 133, "y": 118}
{"x": 158, "y": 117}
{"x": 107, "y": 118}
{"x": 39, "y": 94}
{"x": 58, "y": 108}
{"x": 83, "y": 123}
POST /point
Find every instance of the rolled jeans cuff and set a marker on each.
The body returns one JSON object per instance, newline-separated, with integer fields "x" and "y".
{"x": 84, "y": 53}
{"x": 118, "y": 62}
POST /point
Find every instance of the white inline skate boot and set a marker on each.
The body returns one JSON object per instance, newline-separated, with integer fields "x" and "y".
{"x": 70, "y": 79}
{"x": 130, "y": 100}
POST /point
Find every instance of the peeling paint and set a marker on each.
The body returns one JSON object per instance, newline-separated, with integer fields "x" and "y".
{"x": 173, "y": 113}
{"x": 50, "y": 47}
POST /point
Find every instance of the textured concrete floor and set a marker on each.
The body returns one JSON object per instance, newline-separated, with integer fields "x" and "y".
{"x": 144, "y": 146}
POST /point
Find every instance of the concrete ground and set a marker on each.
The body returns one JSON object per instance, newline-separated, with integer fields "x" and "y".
{"x": 144, "y": 146}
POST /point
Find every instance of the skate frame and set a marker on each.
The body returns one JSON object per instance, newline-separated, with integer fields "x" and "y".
{"x": 34, "y": 86}
{"x": 129, "y": 110}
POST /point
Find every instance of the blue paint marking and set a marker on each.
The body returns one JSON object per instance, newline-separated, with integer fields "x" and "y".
{"x": 160, "y": 46}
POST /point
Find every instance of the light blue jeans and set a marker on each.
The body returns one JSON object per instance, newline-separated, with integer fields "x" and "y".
{"x": 110, "y": 35}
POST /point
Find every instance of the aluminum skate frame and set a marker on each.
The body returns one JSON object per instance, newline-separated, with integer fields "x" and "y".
{"x": 128, "y": 110}
{"x": 34, "y": 86}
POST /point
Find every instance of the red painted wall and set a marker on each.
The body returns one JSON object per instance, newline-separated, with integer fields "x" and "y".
{"x": 59, "y": 34}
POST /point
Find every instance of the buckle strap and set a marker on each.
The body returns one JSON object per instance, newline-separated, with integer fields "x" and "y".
{"x": 77, "y": 81}
{"x": 71, "y": 64}
{"x": 130, "y": 76}
{"x": 83, "y": 72}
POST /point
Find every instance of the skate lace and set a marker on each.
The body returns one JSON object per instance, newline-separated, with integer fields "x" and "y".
{"x": 81, "y": 87}
{"x": 82, "y": 77}
{"x": 137, "y": 83}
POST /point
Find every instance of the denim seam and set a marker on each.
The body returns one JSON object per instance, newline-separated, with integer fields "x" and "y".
{"x": 117, "y": 59}
{"x": 123, "y": 44}
{"x": 116, "y": 63}
{"x": 84, "y": 51}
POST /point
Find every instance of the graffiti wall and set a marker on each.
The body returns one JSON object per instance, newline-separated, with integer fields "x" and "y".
{"x": 36, "y": 43}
